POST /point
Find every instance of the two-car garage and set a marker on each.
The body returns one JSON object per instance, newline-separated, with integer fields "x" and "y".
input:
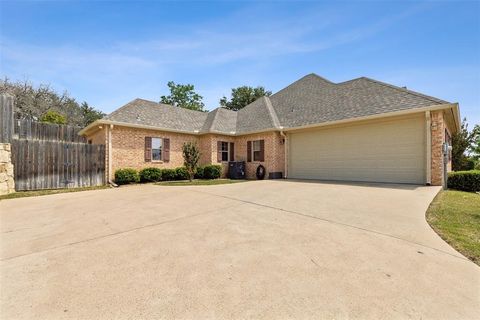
{"x": 383, "y": 150}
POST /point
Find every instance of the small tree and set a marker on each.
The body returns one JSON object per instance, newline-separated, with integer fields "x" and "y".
{"x": 462, "y": 142}
{"x": 53, "y": 117}
{"x": 191, "y": 156}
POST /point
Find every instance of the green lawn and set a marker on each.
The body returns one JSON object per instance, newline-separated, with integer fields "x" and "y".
{"x": 455, "y": 216}
{"x": 198, "y": 182}
{"x": 36, "y": 193}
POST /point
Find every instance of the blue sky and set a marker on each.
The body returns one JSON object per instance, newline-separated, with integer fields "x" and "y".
{"x": 108, "y": 53}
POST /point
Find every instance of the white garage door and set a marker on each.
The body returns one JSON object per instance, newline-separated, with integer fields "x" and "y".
{"x": 378, "y": 151}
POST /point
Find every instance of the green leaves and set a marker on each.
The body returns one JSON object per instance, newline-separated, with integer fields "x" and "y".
{"x": 53, "y": 117}
{"x": 243, "y": 96}
{"x": 462, "y": 142}
{"x": 184, "y": 96}
{"x": 191, "y": 156}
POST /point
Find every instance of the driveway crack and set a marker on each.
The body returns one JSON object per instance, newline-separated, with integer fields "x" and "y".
{"x": 333, "y": 222}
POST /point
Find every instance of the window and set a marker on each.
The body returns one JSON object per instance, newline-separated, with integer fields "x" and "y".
{"x": 156, "y": 149}
{"x": 224, "y": 150}
{"x": 257, "y": 151}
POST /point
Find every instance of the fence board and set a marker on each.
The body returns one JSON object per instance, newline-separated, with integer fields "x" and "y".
{"x": 6, "y": 118}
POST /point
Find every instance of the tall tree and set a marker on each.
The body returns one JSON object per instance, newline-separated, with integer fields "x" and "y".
{"x": 90, "y": 114}
{"x": 462, "y": 142}
{"x": 184, "y": 96}
{"x": 243, "y": 96}
{"x": 33, "y": 102}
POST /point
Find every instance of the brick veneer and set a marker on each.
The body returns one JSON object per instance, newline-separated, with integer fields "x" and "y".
{"x": 274, "y": 153}
{"x": 128, "y": 149}
{"x": 438, "y": 126}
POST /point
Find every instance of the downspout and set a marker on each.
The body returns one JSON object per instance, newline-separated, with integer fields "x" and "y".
{"x": 109, "y": 137}
{"x": 285, "y": 153}
{"x": 428, "y": 129}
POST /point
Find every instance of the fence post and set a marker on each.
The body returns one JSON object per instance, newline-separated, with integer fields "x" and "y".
{"x": 6, "y": 118}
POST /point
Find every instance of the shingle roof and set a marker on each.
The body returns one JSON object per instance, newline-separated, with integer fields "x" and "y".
{"x": 313, "y": 99}
{"x": 309, "y": 100}
{"x": 149, "y": 113}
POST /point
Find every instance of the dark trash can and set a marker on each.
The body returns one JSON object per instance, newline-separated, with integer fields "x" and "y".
{"x": 236, "y": 169}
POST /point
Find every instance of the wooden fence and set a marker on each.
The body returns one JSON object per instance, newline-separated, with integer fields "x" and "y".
{"x": 49, "y": 156}
{"x": 42, "y": 164}
{"x": 34, "y": 130}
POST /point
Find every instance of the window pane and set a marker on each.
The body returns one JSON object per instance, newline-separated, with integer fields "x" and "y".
{"x": 156, "y": 154}
{"x": 224, "y": 156}
{"x": 224, "y": 146}
{"x": 156, "y": 143}
{"x": 256, "y": 145}
{"x": 256, "y": 155}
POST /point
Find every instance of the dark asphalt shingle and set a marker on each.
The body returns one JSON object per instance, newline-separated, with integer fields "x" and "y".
{"x": 310, "y": 100}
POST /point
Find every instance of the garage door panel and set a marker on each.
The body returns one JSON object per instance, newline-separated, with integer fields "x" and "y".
{"x": 387, "y": 151}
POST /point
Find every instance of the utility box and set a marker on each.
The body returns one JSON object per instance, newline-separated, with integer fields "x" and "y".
{"x": 236, "y": 169}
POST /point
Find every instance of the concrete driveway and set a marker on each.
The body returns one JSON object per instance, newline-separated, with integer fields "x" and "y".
{"x": 262, "y": 249}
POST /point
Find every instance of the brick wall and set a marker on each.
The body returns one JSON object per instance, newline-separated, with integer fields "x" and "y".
{"x": 274, "y": 153}
{"x": 438, "y": 127}
{"x": 128, "y": 149}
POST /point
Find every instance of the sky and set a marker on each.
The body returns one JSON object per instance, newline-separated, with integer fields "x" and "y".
{"x": 110, "y": 52}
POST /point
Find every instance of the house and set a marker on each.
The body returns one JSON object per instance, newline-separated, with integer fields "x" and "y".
{"x": 358, "y": 130}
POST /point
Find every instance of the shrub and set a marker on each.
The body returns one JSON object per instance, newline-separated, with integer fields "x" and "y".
{"x": 169, "y": 174}
{"x": 199, "y": 173}
{"x": 125, "y": 176}
{"x": 212, "y": 171}
{"x": 191, "y": 156}
{"x": 150, "y": 175}
{"x": 181, "y": 173}
{"x": 464, "y": 180}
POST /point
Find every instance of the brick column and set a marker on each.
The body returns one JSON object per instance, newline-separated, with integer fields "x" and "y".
{"x": 438, "y": 137}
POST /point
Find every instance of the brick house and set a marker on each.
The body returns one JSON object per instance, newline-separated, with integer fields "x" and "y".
{"x": 358, "y": 130}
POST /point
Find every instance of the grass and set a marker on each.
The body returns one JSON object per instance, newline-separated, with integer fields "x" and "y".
{"x": 455, "y": 216}
{"x": 198, "y": 182}
{"x": 36, "y": 193}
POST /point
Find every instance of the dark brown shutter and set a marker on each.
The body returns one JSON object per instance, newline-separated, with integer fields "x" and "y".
{"x": 219, "y": 151}
{"x": 148, "y": 149}
{"x": 262, "y": 150}
{"x": 232, "y": 151}
{"x": 166, "y": 150}
{"x": 249, "y": 151}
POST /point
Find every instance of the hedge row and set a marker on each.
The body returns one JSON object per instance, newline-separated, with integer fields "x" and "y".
{"x": 126, "y": 176}
{"x": 464, "y": 180}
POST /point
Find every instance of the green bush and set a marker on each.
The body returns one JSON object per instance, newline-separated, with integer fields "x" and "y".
{"x": 181, "y": 173}
{"x": 212, "y": 171}
{"x": 464, "y": 180}
{"x": 126, "y": 176}
{"x": 150, "y": 175}
{"x": 169, "y": 174}
{"x": 199, "y": 173}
